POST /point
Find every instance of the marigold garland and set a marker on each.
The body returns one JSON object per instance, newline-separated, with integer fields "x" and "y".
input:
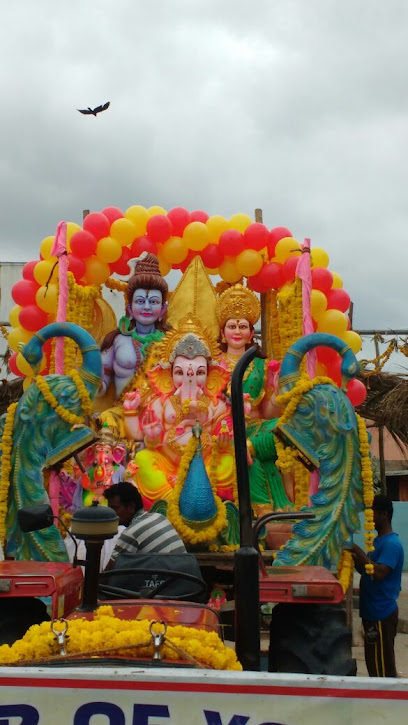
{"x": 131, "y": 636}
{"x": 6, "y": 450}
{"x": 66, "y": 415}
{"x": 187, "y": 533}
{"x": 368, "y": 490}
{"x": 345, "y": 569}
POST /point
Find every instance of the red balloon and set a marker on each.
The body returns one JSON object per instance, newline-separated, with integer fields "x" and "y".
{"x": 121, "y": 265}
{"x": 23, "y": 292}
{"x": 142, "y": 244}
{"x": 322, "y": 279}
{"x": 159, "y": 228}
{"x": 356, "y": 391}
{"x": 83, "y": 244}
{"x": 255, "y": 283}
{"x": 256, "y": 236}
{"x": 28, "y": 270}
{"x": 179, "y": 218}
{"x": 334, "y": 370}
{"x": 13, "y": 365}
{"x": 32, "y": 318}
{"x": 76, "y": 265}
{"x": 199, "y": 216}
{"x": 112, "y": 213}
{"x": 338, "y": 299}
{"x": 231, "y": 243}
{"x": 327, "y": 356}
{"x": 289, "y": 269}
{"x": 275, "y": 235}
{"x": 212, "y": 256}
{"x": 271, "y": 276}
{"x": 97, "y": 224}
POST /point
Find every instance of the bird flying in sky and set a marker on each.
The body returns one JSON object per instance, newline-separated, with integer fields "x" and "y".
{"x": 94, "y": 111}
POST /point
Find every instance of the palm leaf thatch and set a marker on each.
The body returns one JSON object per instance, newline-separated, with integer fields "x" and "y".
{"x": 387, "y": 405}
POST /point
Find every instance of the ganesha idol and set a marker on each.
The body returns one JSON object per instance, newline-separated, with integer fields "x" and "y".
{"x": 186, "y": 387}
{"x": 104, "y": 466}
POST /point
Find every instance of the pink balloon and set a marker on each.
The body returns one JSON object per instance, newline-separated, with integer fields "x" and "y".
{"x": 23, "y": 292}
{"x": 76, "y": 265}
{"x": 159, "y": 228}
{"x": 179, "y": 218}
{"x": 271, "y": 276}
{"x": 275, "y": 235}
{"x": 338, "y": 299}
{"x": 97, "y": 224}
{"x": 83, "y": 244}
{"x": 289, "y": 269}
{"x": 112, "y": 213}
{"x": 356, "y": 391}
{"x": 142, "y": 244}
{"x": 199, "y": 216}
{"x": 32, "y": 318}
{"x": 231, "y": 243}
{"x": 256, "y": 236}
{"x": 121, "y": 265}
{"x": 13, "y": 365}
{"x": 212, "y": 256}
{"x": 28, "y": 270}
{"x": 322, "y": 279}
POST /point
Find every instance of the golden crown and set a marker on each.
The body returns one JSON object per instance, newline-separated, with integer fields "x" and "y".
{"x": 238, "y": 303}
{"x": 176, "y": 340}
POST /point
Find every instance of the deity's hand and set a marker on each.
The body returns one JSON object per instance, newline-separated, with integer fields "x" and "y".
{"x": 247, "y": 403}
{"x": 131, "y": 401}
{"x": 152, "y": 428}
{"x": 272, "y": 376}
{"x": 224, "y": 437}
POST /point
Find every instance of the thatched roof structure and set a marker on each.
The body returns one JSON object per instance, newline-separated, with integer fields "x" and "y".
{"x": 10, "y": 392}
{"x": 387, "y": 404}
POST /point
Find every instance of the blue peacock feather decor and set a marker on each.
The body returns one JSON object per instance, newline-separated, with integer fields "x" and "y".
{"x": 41, "y": 438}
{"x": 324, "y": 429}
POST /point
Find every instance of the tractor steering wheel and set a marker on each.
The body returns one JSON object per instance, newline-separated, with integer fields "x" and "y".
{"x": 150, "y": 592}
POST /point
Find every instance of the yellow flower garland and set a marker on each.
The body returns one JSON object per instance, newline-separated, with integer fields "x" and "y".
{"x": 65, "y": 414}
{"x": 345, "y": 569}
{"x": 368, "y": 489}
{"x": 6, "y": 449}
{"x": 187, "y": 533}
{"x": 131, "y": 636}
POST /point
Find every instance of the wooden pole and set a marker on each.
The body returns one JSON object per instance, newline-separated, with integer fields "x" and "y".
{"x": 259, "y": 219}
{"x": 383, "y": 477}
{"x": 85, "y": 213}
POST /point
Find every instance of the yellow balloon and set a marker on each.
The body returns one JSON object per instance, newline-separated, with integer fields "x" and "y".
{"x": 153, "y": 210}
{"x": 97, "y": 271}
{"x": 240, "y": 222}
{"x": 27, "y": 382}
{"x": 108, "y": 249}
{"x": 337, "y": 281}
{"x": 14, "y": 316}
{"x": 285, "y": 248}
{"x": 228, "y": 270}
{"x": 45, "y": 271}
{"x": 124, "y": 231}
{"x": 353, "y": 340}
{"x": 248, "y": 263}
{"x": 318, "y": 303}
{"x": 213, "y": 271}
{"x": 45, "y": 248}
{"x": 216, "y": 225}
{"x": 334, "y": 322}
{"x": 164, "y": 266}
{"x": 47, "y": 298}
{"x": 25, "y": 368}
{"x": 139, "y": 217}
{"x": 319, "y": 257}
{"x": 174, "y": 250}
{"x": 71, "y": 229}
{"x": 196, "y": 236}
{"x": 18, "y": 335}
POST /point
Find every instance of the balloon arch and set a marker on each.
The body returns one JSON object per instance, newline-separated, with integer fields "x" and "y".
{"x": 231, "y": 248}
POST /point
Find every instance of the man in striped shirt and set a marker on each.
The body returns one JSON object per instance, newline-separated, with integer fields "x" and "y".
{"x": 147, "y": 533}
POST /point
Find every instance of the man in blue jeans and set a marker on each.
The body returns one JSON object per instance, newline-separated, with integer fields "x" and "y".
{"x": 379, "y": 591}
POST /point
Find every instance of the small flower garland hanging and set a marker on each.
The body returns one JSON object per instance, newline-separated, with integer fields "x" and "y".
{"x": 368, "y": 489}
{"x": 6, "y": 449}
{"x": 70, "y": 418}
{"x": 129, "y": 638}
{"x": 187, "y": 533}
{"x": 345, "y": 569}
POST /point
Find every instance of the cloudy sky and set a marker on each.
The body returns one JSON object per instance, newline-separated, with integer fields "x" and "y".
{"x": 297, "y": 107}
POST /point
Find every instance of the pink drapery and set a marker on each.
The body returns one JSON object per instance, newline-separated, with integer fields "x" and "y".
{"x": 59, "y": 250}
{"x": 304, "y": 273}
